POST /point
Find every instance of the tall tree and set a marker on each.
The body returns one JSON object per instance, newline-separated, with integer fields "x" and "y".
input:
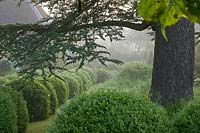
{"x": 172, "y": 78}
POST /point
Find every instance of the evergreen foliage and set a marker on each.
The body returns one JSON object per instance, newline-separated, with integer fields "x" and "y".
{"x": 52, "y": 93}
{"x": 37, "y": 97}
{"x": 102, "y": 75}
{"x": 8, "y": 117}
{"x": 3, "y": 80}
{"x": 20, "y": 107}
{"x": 110, "y": 111}
{"x": 61, "y": 88}
{"x": 135, "y": 71}
{"x": 74, "y": 85}
{"x": 187, "y": 120}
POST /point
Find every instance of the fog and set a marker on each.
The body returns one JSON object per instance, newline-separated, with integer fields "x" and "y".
{"x": 136, "y": 46}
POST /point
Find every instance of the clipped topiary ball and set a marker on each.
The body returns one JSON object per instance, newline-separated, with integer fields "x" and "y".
{"x": 61, "y": 88}
{"x": 91, "y": 74}
{"x": 74, "y": 86}
{"x": 73, "y": 75}
{"x": 78, "y": 78}
{"x": 111, "y": 112}
{"x": 8, "y": 117}
{"x": 187, "y": 120}
{"x": 20, "y": 107}
{"x": 52, "y": 93}
{"x": 37, "y": 97}
{"x": 84, "y": 79}
{"x": 89, "y": 78}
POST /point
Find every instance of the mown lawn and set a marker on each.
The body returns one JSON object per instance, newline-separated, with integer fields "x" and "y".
{"x": 40, "y": 126}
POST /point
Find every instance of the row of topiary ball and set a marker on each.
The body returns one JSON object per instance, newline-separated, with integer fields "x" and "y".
{"x": 24, "y": 100}
{"x": 114, "y": 111}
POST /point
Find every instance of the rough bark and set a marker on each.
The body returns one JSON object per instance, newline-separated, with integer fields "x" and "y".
{"x": 172, "y": 78}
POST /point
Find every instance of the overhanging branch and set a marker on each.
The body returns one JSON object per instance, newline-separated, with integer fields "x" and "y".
{"x": 134, "y": 26}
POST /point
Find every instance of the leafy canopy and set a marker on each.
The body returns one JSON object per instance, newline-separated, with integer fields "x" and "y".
{"x": 168, "y": 12}
{"x": 67, "y": 35}
{"x": 70, "y": 34}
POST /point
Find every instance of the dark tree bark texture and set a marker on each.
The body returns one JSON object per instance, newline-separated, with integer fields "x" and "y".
{"x": 172, "y": 78}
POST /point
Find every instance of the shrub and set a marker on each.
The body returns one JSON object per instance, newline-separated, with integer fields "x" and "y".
{"x": 3, "y": 80}
{"x": 196, "y": 91}
{"x": 79, "y": 79}
{"x": 84, "y": 79}
{"x": 91, "y": 74}
{"x": 102, "y": 75}
{"x": 8, "y": 117}
{"x": 135, "y": 71}
{"x": 89, "y": 79}
{"x": 36, "y": 96}
{"x": 187, "y": 120}
{"x": 12, "y": 76}
{"x": 52, "y": 93}
{"x": 61, "y": 88}
{"x": 74, "y": 86}
{"x": 112, "y": 67}
{"x": 20, "y": 107}
{"x": 110, "y": 111}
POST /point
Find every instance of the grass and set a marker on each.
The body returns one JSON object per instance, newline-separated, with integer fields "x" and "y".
{"x": 40, "y": 126}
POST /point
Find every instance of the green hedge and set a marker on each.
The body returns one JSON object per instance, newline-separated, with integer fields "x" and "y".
{"x": 91, "y": 74}
{"x": 20, "y": 107}
{"x": 61, "y": 88}
{"x": 8, "y": 117}
{"x": 135, "y": 71}
{"x": 52, "y": 93}
{"x": 102, "y": 75}
{"x": 37, "y": 97}
{"x": 84, "y": 79}
{"x": 79, "y": 79}
{"x": 188, "y": 119}
{"x": 12, "y": 76}
{"x": 89, "y": 78}
{"x": 112, "y": 112}
{"x": 4, "y": 80}
{"x": 113, "y": 67}
{"x": 74, "y": 86}
{"x": 74, "y": 75}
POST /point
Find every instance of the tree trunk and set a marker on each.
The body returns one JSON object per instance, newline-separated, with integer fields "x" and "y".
{"x": 172, "y": 79}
